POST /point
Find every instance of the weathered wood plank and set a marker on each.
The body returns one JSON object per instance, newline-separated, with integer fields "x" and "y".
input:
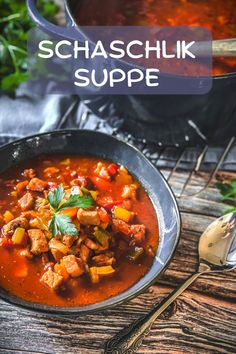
{"x": 195, "y": 324}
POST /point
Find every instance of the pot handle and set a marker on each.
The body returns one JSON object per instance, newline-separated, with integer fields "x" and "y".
{"x": 47, "y": 26}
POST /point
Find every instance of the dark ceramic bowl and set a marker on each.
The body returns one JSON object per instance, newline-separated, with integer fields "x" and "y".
{"x": 82, "y": 142}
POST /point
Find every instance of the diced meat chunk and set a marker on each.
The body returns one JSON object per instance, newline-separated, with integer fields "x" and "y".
{"x": 88, "y": 217}
{"x": 84, "y": 253}
{"x": 38, "y": 241}
{"x": 37, "y": 185}
{"x": 84, "y": 181}
{"x": 129, "y": 191}
{"x": 135, "y": 232}
{"x": 8, "y": 229}
{"x": 127, "y": 204}
{"x": 58, "y": 249}
{"x": 52, "y": 279}
{"x": 121, "y": 226}
{"x": 57, "y": 255}
{"x": 138, "y": 233}
{"x": 102, "y": 171}
{"x": 73, "y": 266}
{"x": 91, "y": 244}
{"x": 68, "y": 240}
{"x": 29, "y": 173}
{"x": 26, "y": 202}
{"x": 105, "y": 259}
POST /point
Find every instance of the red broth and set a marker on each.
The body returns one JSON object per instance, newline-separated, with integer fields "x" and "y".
{"x": 22, "y": 270}
{"x": 219, "y": 16}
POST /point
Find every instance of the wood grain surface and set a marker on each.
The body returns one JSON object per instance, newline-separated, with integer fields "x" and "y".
{"x": 202, "y": 320}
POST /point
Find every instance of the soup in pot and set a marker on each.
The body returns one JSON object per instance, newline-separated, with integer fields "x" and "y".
{"x": 219, "y": 16}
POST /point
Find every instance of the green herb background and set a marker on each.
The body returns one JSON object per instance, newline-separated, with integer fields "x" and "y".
{"x": 14, "y": 25}
{"x": 228, "y": 192}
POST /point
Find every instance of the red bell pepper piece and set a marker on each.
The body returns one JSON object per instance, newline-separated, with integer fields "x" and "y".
{"x": 112, "y": 169}
{"x": 102, "y": 184}
{"x": 108, "y": 202}
{"x": 104, "y": 217}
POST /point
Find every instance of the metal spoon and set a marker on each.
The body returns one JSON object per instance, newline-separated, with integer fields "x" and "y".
{"x": 217, "y": 253}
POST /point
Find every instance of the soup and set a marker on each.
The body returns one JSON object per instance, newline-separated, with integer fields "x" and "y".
{"x": 217, "y": 15}
{"x": 74, "y": 230}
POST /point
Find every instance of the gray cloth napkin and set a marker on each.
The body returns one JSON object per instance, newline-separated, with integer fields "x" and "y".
{"x": 27, "y": 115}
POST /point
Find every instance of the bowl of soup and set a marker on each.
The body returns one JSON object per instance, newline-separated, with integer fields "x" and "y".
{"x": 167, "y": 119}
{"x": 82, "y": 228}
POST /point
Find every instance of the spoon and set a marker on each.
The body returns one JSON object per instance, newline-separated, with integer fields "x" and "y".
{"x": 217, "y": 252}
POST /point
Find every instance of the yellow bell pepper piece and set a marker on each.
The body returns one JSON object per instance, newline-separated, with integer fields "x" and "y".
{"x": 94, "y": 194}
{"x": 106, "y": 270}
{"x": 18, "y": 236}
{"x": 8, "y": 216}
{"x": 94, "y": 275}
{"x": 123, "y": 214}
{"x": 14, "y": 194}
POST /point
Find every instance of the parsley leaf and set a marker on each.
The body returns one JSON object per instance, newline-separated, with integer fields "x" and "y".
{"x": 228, "y": 192}
{"x": 84, "y": 202}
{"x": 63, "y": 224}
{"x": 14, "y": 26}
{"x": 56, "y": 196}
{"x": 53, "y": 227}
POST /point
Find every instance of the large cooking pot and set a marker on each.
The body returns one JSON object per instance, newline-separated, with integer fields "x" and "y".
{"x": 169, "y": 119}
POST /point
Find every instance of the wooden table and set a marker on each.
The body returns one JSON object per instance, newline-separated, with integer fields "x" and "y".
{"x": 202, "y": 320}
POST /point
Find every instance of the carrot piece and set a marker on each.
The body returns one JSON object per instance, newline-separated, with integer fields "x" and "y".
{"x": 21, "y": 186}
{"x": 71, "y": 212}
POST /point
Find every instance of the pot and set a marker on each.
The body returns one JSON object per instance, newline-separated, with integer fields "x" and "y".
{"x": 165, "y": 119}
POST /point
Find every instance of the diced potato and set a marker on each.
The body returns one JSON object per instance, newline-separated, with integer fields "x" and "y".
{"x": 18, "y": 236}
{"x": 8, "y": 216}
{"x": 123, "y": 214}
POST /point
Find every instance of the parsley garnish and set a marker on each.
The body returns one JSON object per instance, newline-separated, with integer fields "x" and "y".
{"x": 228, "y": 192}
{"x": 62, "y": 223}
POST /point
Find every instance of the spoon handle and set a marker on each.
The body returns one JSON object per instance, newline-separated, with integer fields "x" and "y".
{"x": 130, "y": 338}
